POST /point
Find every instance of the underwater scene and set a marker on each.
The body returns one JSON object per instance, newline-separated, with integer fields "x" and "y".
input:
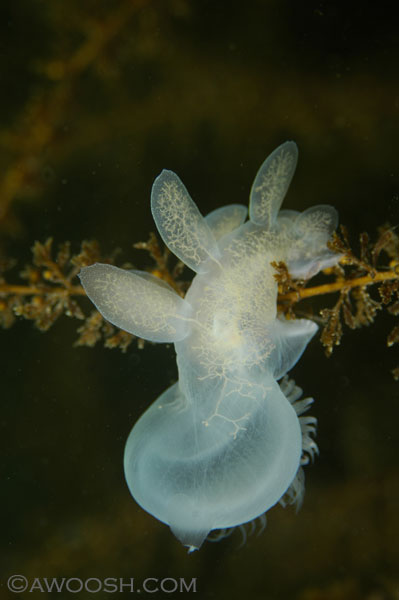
{"x": 199, "y": 300}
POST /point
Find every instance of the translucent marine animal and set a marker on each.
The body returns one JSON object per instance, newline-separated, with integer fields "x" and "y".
{"x": 225, "y": 443}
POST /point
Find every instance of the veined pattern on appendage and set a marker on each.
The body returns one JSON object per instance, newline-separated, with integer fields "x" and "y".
{"x": 157, "y": 313}
{"x": 271, "y": 184}
{"x": 180, "y": 223}
{"x": 117, "y": 298}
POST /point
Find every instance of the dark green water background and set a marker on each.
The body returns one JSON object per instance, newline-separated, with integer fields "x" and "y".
{"x": 206, "y": 89}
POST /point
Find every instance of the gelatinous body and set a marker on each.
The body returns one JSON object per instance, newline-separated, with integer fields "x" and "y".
{"x": 224, "y": 443}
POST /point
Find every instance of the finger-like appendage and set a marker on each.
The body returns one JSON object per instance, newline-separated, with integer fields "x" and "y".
{"x": 317, "y": 222}
{"x": 225, "y": 219}
{"x": 137, "y": 304}
{"x": 271, "y": 184}
{"x": 180, "y": 223}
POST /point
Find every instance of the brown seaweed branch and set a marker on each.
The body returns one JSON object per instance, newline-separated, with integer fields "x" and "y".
{"x": 352, "y": 280}
{"x": 51, "y": 288}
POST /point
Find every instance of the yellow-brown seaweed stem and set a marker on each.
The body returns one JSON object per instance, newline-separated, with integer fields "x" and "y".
{"x": 29, "y": 290}
{"x": 295, "y": 296}
{"x": 336, "y": 286}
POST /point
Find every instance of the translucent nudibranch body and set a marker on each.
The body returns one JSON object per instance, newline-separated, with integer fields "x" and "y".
{"x": 225, "y": 443}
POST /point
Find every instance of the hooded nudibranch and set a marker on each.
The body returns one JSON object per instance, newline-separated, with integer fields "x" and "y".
{"x": 225, "y": 443}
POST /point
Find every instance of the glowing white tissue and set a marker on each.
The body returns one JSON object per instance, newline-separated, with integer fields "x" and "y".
{"x": 226, "y": 442}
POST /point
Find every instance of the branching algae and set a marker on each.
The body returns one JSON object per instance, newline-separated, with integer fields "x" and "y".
{"x": 226, "y": 442}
